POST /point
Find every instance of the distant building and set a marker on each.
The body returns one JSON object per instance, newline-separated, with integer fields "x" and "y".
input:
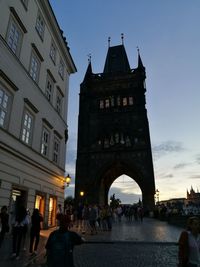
{"x": 35, "y": 65}
{"x": 193, "y": 197}
{"x": 172, "y": 201}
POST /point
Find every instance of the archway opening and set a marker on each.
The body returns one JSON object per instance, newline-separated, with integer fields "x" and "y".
{"x": 126, "y": 189}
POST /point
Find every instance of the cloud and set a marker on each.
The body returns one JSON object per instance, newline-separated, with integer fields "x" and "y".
{"x": 197, "y": 158}
{"x": 194, "y": 176}
{"x": 170, "y": 175}
{"x": 71, "y": 156}
{"x": 124, "y": 197}
{"x": 180, "y": 166}
{"x": 165, "y": 148}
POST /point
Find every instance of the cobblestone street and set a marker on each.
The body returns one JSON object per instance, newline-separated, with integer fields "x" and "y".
{"x": 148, "y": 244}
{"x": 126, "y": 254}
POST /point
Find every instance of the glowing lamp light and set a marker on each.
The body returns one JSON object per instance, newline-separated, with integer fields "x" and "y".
{"x": 67, "y": 179}
{"x": 82, "y": 193}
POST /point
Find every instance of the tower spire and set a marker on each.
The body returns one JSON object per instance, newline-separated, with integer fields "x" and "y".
{"x": 89, "y": 68}
{"x": 140, "y": 64}
{"x": 109, "y": 38}
{"x": 122, "y": 37}
{"x": 89, "y": 58}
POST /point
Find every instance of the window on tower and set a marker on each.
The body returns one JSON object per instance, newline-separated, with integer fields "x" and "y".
{"x": 112, "y": 101}
{"x": 107, "y": 103}
{"x": 130, "y": 100}
{"x": 124, "y": 101}
{"x": 101, "y": 104}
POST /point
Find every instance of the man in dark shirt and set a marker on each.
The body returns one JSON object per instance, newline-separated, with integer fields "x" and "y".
{"x": 60, "y": 245}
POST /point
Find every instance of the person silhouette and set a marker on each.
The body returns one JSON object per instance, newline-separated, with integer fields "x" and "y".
{"x": 60, "y": 245}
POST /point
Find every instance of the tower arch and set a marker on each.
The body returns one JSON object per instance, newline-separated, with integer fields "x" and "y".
{"x": 126, "y": 189}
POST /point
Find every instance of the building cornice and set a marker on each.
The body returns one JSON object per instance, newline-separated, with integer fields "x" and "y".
{"x": 8, "y": 80}
{"x": 13, "y": 11}
{"x": 28, "y": 102}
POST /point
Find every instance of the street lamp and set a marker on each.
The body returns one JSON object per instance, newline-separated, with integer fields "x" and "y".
{"x": 67, "y": 180}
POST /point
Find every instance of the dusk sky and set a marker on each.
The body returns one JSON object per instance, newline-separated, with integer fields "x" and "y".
{"x": 167, "y": 34}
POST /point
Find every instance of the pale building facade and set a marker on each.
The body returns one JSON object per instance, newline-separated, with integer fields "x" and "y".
{"x": 35, "y": 65}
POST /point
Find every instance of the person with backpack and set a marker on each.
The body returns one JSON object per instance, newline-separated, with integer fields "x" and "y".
{"x": 60, "y": 245}
{"x": 189, "y": 244}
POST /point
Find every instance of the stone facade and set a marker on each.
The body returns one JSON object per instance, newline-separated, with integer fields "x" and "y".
{"x": 35, "y": 65}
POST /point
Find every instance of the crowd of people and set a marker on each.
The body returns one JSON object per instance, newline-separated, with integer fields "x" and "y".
{"x": 84, "y": 219}
{"x": 93, "y": 218}
{"x": 22, "y": 224}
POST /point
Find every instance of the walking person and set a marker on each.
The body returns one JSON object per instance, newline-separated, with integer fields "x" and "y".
{"x": 4, "y": 217}
{"x": 140, "y": 212}
{"x": 60, "y": 245}
{"x": 109, "y": 217}
{"x": 119, "y": 213}
{"x": 36, "y": 220}
{"x": 26, "y": 223}
{"x": 189, "y": 244}
{"x": 59, "y": 212}
{"x": 92, "y": 217}
{"x": 18, "y": 231}
{"x": 85, "y": 219}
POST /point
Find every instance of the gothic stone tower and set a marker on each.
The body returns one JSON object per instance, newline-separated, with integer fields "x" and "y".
{"x": 113, "y": 130}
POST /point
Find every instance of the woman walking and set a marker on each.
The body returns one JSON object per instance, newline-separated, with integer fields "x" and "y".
{"x": 36, "y": 220}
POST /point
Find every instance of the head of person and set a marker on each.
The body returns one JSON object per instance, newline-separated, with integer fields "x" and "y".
{"x": 21, "y": 213}
{"x": 193, "y": 224}
{"x": 36, "y": 212}
{"x": 64, "y": 223}
{"x": 4, "y": 209}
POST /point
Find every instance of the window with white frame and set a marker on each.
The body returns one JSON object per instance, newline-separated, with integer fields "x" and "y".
{"x": 56, "y": 149}
{"x": 40, "y": 26}
{"x": 14, "y": 36}
{"x": 53, "y": 52}
{"x": 45, "y": 141}
{"x": 34, "y": 67}
{"x": 49, "y": 88}
{"x": 59, "y": 99}
{"x": 27, "y": 127}
{"x": 5, "y": 106}
{"x": 61, "y": 69}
